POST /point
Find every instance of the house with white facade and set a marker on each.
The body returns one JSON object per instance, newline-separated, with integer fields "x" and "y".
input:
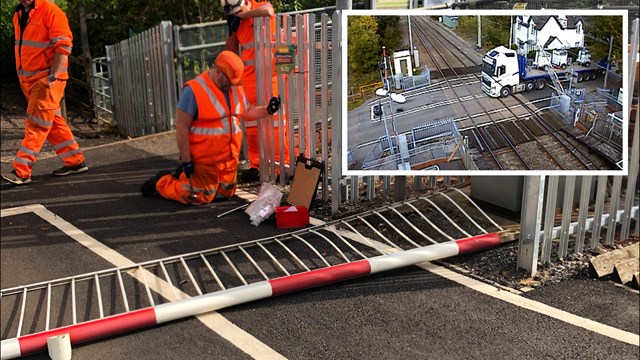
{"x": 547, "y": 32}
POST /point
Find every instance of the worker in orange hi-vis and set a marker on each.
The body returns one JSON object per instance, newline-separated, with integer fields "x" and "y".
{"x": 208, "y": 135}
{"x": 43, "y": 44}
{"x": 241, "y": 40}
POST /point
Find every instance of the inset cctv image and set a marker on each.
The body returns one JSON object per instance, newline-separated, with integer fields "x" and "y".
{"x": 527, "y": 92}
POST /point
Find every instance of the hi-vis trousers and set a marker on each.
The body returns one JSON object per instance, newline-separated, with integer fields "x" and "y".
{"x": 208, "y": 183}
{"x": 251, "y": 128}
{"x": 44, "y": 121}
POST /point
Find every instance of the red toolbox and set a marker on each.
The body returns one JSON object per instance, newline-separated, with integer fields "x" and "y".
{"x": 291, "y": 217}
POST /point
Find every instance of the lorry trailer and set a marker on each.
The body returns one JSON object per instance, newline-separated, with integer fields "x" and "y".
{"x": 505, "y": 72}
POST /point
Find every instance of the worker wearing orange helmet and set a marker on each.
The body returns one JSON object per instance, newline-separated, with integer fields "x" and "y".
{"x": 208, "y": 135}
{"x": 241, "y": 39}
{"x": 43, "y": 43}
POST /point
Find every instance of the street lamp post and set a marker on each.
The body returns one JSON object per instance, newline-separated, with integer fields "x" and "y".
{"x": 393, "y": 97}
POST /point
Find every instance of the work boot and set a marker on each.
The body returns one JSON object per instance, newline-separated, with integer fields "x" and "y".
{"x": 13, "y": 178}
{"x": 68, "y": 170}
{"x": 250, "y": 175}
{"x": 149, "y": 186}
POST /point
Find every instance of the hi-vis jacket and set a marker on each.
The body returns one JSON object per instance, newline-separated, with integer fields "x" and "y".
{"x": 216, "y": 135}
{"x": 214, "y": 143}
{"x": 245, "y": 36}
{"x": 46, "y": 32}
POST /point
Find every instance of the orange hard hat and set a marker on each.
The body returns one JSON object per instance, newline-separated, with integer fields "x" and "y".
{"x": 231, "y": 65}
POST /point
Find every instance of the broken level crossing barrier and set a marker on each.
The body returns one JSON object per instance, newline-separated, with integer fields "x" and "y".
{"x": 150, "y": 316}
{"x": 107, "y": 302}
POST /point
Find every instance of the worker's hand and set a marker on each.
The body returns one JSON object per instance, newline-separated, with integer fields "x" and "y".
{"x": 233, "y": 23}
{"x": 187, "y": 168}
{"x": 274, "y": 105}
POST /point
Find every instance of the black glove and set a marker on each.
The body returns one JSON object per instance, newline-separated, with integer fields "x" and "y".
{"x": 187, "y": 168}
{"x": 233, "y": 23}
{"x": 274, "y": 105}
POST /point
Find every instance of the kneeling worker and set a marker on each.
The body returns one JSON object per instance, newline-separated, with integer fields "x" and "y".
{"x": 208, "y": 135}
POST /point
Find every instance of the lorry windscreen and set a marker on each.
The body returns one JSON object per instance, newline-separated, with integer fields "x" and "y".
{"x": 489, "y": 67}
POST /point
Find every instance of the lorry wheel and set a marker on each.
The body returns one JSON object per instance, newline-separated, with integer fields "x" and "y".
{"x": 546, "y": 68}
{"x": 529, "y": 86}
{"x": 505, "y": 92}
{"x": 593, "y": 76}
{"x": 587, "y": 64}
{"x": 580, "y": 78}
{"x": 563, "y": 66}
{"x": 540, "y": 84}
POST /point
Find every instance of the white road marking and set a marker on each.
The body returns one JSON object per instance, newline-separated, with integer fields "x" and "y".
{"x": 517, "y": 300}
{"x": 213, "y": 320}
{"x": 602, "y": 329}
{"x": 258, "y": 350}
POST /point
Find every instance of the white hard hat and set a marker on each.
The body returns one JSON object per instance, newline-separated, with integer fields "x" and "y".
{"x": 231, "y": 7}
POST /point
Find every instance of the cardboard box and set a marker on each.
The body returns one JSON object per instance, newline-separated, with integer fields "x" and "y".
{"x": 291, "y": 217}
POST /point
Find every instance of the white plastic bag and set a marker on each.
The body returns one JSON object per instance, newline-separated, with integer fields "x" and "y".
{"x": 265, "y": 205}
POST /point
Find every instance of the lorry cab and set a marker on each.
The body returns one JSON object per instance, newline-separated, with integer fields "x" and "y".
{"x": 500, "y": 69}
{"x": 584, "y": 57}
{"x": 560, "y": 59}
{"x": 542, "y": 60}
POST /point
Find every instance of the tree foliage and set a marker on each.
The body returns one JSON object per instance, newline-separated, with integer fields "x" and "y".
{"x": 118, "y": 20}
{"x": 389, "y": 32}
{"x": 495, "y": 29}
{"x": 363, "y": 44}
{"x": 599, "y": 29}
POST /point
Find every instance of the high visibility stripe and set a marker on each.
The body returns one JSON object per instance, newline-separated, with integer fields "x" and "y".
{"x": 29, "y": 151}
{"x": 212, "y": 98}
{"x": 24, "y": 73}
{"x": 70, "y": 153}
{"x": 235, "y": 121}
{"x": 27, "y": 73}
{"x": 60, "y": 38}
{"x": 39, "y": 121}
{"x": 224, "y": 130}
{"x": 247, "y": 46}
{"x": 35, "y": 44}
{"x": 66, "y": 47}
{"x": 64, "y": 144}
{"x": 23, "y": 161}
{"x": 227, "y": 186}
{"x": 254, "y": 123}
{"x": 187, "y": 187}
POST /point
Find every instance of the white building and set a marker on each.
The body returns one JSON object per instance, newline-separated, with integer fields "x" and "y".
{"x": 547, "y": 32}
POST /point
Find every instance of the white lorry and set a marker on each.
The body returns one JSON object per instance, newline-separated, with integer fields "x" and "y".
{"x": 505, "y": 72}
{"x": 557, "y": 58}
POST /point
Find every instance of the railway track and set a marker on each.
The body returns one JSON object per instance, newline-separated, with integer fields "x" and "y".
{"x": 528, "y": 135}
{"x": 491, "y": 141}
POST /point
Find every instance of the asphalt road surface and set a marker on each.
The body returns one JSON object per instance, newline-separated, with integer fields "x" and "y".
{"x": 418, "y": 312}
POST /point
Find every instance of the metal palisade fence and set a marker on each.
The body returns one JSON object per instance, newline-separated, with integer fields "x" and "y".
{"x": 142, "y": 82}
{"x": 143, "y": 86}
{"x": 593, "y": 209}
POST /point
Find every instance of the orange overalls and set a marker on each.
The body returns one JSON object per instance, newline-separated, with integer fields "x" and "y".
{"x": 214, "y": 144}
{"x": 245, "y": 36}
{"x": 46, "y": 33}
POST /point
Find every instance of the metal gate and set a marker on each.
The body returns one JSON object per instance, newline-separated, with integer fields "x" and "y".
{"x": 104, "y": 303}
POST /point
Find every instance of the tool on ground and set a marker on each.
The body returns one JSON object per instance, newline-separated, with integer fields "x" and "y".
{"x": 233, "y": 210}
